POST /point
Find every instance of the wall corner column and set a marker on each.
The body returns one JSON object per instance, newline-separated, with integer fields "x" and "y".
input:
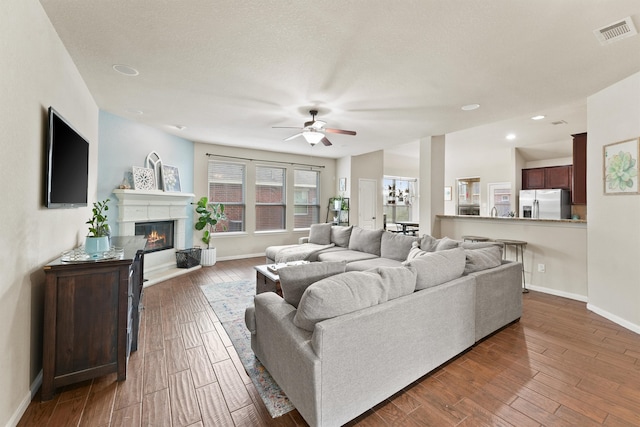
{"x": 432, "y": 152}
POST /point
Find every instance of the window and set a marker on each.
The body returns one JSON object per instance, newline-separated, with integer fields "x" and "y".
{"x": 306, "y": 188}
{"x": 398, "y": 198}
{"x": 270, "y": 198}
{"x": 227, "y": 186}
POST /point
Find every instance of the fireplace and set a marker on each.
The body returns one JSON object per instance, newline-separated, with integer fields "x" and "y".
{"x": 145, "y": 207}
{"x": 159, "y": 235}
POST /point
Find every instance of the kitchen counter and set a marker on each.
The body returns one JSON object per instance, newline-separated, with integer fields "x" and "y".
{"x": 555, "y": 258}
{"x": 494, "y": 218}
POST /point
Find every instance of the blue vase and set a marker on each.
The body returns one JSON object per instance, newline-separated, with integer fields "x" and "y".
{"x": 96, "y": 245}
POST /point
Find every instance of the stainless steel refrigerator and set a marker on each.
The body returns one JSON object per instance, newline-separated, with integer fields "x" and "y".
{"x": 545, "y": 204}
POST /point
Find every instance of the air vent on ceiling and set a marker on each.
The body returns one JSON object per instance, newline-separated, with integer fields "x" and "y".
{"x": 616, "y": 31}
{"x": 559, "y": 122}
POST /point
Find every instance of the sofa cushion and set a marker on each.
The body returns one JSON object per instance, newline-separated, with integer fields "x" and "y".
{"x": 365, "y": 240}
{"x": 431, "y": 244}
{"x": 482, "y": 258}
{"x": 415, "y": 251}
{"x": 368, "y": 264}
{"x": 446, "y": 243}
{"x": 354, "y": 290}
{"x": 396, "y": 245}
{"x": 320, "y": 234}
{"x": 436, "y": 268}
{"x": 344, "y": 255}
{"x": 272, "y": 251}
{"x": 295, "y": 279}
{"x": 340, "y": 235}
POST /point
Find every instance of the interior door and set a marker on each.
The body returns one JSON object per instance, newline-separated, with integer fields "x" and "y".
{"x": 367, "y": 203}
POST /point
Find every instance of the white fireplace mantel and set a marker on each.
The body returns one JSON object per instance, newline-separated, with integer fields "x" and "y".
{"x": 155, "y": 205}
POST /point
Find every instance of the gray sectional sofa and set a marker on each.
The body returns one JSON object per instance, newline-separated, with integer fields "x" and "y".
{"x": 347, "y": 335}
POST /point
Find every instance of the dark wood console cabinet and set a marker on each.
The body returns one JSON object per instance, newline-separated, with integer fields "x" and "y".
{"x": 91, "y": 316}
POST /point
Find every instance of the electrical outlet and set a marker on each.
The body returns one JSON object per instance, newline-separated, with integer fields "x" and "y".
{"x": 541, "y": 268}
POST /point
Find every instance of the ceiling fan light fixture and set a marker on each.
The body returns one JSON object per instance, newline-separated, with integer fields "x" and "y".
{"x": 313, "y": 137}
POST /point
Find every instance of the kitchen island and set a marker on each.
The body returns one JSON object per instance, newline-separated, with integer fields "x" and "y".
{"x": 557, "y": 246}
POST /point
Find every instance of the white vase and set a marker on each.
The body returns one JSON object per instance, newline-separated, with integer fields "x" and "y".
{"x": 208, "y": 257}
{"x": 96, "y": 245}
{"x": 337, "y": 204}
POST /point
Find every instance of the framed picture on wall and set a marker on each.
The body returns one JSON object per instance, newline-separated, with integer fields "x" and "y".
{"x": 171, "y": 178}
{"x": 620, "y": 167}
{"x": 143, "y": 178}
{"x": 343, "y": 184}
{"x": 447, "y": 194}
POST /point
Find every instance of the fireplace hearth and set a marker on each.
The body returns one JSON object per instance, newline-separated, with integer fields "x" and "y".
{"x": 159, "y": 235}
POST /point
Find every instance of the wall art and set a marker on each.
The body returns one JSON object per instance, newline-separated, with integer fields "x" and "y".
{"x": 171, "y": 178}
{"x": 144, "y": 178}
{"x": 620, "y": 167}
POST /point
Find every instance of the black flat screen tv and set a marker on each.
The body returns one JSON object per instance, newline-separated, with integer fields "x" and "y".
{"x": 67, "y": 165}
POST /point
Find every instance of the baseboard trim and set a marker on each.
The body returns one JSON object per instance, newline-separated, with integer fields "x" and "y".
{"x": 22, "y": 408}
{"x": 615, "y": 319}
{"x": 558, "y": 293}
{"x": 234, "y": 257}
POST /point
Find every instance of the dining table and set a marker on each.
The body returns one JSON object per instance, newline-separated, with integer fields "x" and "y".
{"x": 409, "y": 226}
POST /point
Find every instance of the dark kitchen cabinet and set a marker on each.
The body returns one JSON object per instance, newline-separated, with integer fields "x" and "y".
{"x": 549, "y": 177}
{"x": 579, "y": 183}
{"x": 532, "y": 179}
{"x": 91, "y": 316}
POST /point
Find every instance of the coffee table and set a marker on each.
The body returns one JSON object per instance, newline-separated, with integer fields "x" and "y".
{"x": 266, "y": 281}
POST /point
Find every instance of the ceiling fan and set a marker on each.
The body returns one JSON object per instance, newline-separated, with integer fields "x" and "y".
{"x": 313, "y": 130}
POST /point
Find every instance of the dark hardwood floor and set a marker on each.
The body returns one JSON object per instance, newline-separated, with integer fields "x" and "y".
{"x": 561, "y": 365}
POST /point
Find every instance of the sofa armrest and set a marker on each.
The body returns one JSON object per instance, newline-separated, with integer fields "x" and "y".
{"x": 250, "y": 319}
{"x": 302, "y": 240}
{"x": 498, "y": 297}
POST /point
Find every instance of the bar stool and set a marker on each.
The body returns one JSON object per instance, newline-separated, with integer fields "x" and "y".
{"x": 475, "y": 238}
{"x": 518, "y": 246}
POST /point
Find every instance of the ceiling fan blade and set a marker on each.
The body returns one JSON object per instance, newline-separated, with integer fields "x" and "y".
{"x": 293, "y": 136}
{"x": 286, "y": 127}
{"x": 325, "y": 141}
{"x": 341, "y": 131}
{"x": 318, "y": 124}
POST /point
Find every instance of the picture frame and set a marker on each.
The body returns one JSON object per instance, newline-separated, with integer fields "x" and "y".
{"x": 343, "y": 184}
{"x": 171, "y": 179}
{"x": 143, "y": 178}
{"x": 447, "y": 194}
{"x": 620, "y": 167}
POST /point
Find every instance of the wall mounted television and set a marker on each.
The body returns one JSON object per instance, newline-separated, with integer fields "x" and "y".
{"x": 67, "y": 165}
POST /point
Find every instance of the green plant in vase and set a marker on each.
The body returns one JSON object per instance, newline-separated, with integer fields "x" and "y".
{"x": 97, "y": 241}
{"x": 209, "y": 215}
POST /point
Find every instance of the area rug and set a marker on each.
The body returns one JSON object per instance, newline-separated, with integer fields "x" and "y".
{"x": 229, "y": 301}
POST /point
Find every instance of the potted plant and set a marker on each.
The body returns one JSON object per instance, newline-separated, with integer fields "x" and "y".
{"x": 97, "y": 241}
{"x": 209, "y": 215}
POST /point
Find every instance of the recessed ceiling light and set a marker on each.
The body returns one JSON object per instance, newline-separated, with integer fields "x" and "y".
{"x": 540, "y": 117}
{"x": 470, "y": 107}
{"x": 511, "y": 136}
{"x": 126, "y": 70}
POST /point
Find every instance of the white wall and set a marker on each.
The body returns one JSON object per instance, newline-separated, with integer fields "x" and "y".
{"x": 492, "y": 162}
{"x": 614, "y": 220}
{"x": 37, "y": 72}
{"x": 366, "y": 166}
{"x": 250, "y": 243}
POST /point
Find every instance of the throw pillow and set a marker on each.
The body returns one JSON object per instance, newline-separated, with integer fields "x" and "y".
{"x": 415, "y": 251}
{"x": 365, "y": 240}
{"x": 428, "y": 243}
{"x": 436, "y": 268}
{"x": 320, "y": 234}
{"x": 295, "y": 279}
{"x": 446, "y": 243}
{"x": 354, "y": 290}
{"x": 482, "y": 259}
{"x": 340, "y": 235}
{"x": 396, "y": 245}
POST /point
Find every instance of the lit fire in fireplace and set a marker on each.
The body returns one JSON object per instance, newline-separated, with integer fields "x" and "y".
{"x": 159, "y": 235}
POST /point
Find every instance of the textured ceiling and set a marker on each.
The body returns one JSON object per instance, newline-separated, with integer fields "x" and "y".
{"x": 392, "y": 71}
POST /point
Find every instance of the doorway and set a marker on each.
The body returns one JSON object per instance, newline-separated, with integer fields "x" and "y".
{"x": 367, "y": 203}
